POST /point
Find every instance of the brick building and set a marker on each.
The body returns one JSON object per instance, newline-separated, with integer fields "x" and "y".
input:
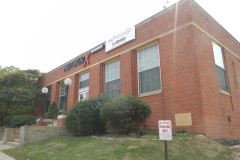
{"x": 180, "y": 61}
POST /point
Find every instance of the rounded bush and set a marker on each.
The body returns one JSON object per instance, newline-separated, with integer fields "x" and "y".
{"x": 84, "y": 117}
{"x": 21, "y": 120}
{"x": 52, "y": 111}
{"x": 125, "y": 114}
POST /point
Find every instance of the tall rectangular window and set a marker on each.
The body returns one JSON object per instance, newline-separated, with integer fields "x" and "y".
{"x": 112, "y": 78}
{"x": 219, "y": 62}
{"x": 148, "y": 61}
{"x": 48, "y": 99}
{"x": 63, "y": 97}
{"x": 83, "y": 86}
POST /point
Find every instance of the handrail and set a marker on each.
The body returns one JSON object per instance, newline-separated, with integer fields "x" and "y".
{"x": 42, "y": 116}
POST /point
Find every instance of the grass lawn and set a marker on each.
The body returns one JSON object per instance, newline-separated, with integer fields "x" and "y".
{"x": 182, "y": 147}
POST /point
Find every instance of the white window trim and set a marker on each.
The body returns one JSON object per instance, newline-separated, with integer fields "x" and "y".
{"x": 156, "y": 91}
{"x": 105, "y": 80}
{"x": 150, "y": 93}
{"x": 224, "y": 92}
{"x": 119, "y": 70}
{"x": 60, "y": 96}
{"x": 61, "y": 90}
{"x": 84, "y": 89}
{"x": 225, "y": 69}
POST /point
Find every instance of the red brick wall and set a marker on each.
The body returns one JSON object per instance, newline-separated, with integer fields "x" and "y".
{"x": 96, "y": 80}
{"x": 180, "y": 78}
{"x": 126, "y": 73}
{"x": 72, "y": 91}
{"x": 217, "y": 106}
{"x": 55, "y": 93}
{"x": 157, "y": 107}
{"x": 188, "y": 74}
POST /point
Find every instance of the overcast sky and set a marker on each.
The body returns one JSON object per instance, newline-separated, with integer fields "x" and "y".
{"x": 43, "y": 34}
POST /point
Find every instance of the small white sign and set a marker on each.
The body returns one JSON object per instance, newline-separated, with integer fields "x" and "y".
{"x": 120, "y": 38}
{"x": 165, "y": 130}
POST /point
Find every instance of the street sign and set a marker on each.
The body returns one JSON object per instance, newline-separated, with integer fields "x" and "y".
{"x": 165, "y": 130}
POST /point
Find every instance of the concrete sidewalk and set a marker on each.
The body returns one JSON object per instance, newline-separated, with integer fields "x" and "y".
{"x": 2, "y": 155}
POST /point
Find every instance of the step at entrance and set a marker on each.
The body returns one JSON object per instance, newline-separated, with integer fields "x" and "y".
{"x": 16, "y": 140}
{"x": 13, "y": 144}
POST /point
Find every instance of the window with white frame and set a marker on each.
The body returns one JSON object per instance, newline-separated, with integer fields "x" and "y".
{"x": 83, "y": 86}
{"x": 63, "y": 97}
{"x": 148, "y": 61}
{"x": 219, "y": 62}
{"x": 112, "y": 78}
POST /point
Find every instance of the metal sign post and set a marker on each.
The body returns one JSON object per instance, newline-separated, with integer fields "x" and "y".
{"x": 165, "y": 133}
{"x": 166, "y": 150}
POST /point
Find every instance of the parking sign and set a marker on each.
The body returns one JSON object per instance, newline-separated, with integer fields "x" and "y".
{"x": 165, "y": 130}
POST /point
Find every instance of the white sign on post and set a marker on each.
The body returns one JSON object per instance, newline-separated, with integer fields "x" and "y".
{"x": 165, "y": 130}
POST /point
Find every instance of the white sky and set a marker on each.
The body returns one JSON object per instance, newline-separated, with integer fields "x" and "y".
{"x": 43, "y": 34}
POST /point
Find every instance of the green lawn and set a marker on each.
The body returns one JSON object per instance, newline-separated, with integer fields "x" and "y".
{"x": 183, "y": 147}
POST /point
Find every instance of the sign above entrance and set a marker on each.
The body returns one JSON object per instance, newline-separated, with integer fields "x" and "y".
{"x": 120, "y": 39}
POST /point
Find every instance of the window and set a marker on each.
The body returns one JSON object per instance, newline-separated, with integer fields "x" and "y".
{"x": 234, "y": 75}
{"x": 83, "y": 86}
{"x": 48, "y": 99}
{"x": 63, "y": 97}
{"x": 220, "y": 69}
{"x": 112, "y": 78}
{"x": 148, "y": 61}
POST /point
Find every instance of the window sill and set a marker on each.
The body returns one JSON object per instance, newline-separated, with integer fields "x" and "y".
{"x": 150, "y": 93}
{"x": 224, "y": 92}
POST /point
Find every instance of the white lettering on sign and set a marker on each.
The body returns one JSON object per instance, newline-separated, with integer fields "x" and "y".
{"x": 120, "y": 39}
{"x": 101, "y": 46}
{"x": 165, "y": 130}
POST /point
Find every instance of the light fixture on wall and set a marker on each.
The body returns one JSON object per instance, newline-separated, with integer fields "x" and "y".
{"x": 67, "y": 81}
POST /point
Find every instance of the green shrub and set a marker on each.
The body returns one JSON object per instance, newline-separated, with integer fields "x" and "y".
{"x": 52, "y": 111}
{"x": 10, "y": 111}
{"x": 6, "y": 120}
{"x": 125, "y": 114}
{"x": 21, "y": 120}
{"x": 84, "y": 117}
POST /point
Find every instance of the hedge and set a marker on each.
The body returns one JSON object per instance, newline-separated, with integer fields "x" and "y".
{"x": 6, "y": 120}
{"x": 20, "y": 120}
{"x": 125, "y": 114}
{"x": 84, "y": 118}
